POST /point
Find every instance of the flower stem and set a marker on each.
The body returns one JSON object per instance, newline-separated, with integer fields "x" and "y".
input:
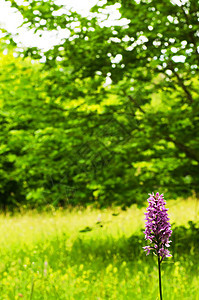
{"x": 160, "y": 285}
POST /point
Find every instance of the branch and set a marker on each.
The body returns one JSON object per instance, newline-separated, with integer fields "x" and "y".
{"x": 181, "y": 82}
{"x": 136, "y": 104}
{"x": 184, "y": 148}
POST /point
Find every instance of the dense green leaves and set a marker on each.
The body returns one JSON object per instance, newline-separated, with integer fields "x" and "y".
{"x": 113, "y": 112}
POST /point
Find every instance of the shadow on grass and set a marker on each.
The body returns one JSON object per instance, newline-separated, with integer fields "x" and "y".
{"x": 185, "y": 242}
{"x": 103, "y": 251}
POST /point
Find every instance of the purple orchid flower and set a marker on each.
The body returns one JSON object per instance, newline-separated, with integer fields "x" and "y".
{"x": 157, "y": 226}
{"x": 157, "y": 230}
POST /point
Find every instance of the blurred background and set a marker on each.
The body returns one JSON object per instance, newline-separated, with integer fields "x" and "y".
{"x": 99, "y": 101}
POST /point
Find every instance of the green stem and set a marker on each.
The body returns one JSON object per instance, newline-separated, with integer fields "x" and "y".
{"x": 160, "y": 285}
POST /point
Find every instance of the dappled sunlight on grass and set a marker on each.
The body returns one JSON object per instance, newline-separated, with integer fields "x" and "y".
{"x": 115, "y": 222}
{"x": 181, "y": 211}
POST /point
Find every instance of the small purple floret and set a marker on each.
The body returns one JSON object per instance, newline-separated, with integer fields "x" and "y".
{"x": 157, "y": 226}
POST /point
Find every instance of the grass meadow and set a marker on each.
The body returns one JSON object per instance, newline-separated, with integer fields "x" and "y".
{"x": 96, "y": 254}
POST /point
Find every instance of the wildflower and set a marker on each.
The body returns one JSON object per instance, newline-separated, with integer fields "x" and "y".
{"x": 157, "y": 230}
{"x": 157, "y": 226}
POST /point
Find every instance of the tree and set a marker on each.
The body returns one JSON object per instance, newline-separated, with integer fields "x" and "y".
{"x": 28, "y": 134}
{"x": 152, "y": 61}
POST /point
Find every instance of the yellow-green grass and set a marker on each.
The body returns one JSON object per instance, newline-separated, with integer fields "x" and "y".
{"x": 53, "y": 255}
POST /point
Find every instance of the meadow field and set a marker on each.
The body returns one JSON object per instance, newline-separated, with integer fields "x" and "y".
{"x": 96, "y": 254}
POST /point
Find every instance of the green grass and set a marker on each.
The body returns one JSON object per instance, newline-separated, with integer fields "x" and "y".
{"x": 93, "y": 254}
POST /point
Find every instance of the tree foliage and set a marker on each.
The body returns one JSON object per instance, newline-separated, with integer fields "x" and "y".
{"x": 83, "y": 140}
